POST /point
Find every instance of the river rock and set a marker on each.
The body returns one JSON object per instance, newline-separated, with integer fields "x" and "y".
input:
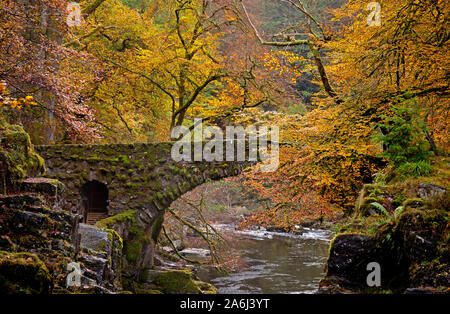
{"x": 196, "y": 253}
{"x": 346, "y": 269}
{"x": 429, "y": 190}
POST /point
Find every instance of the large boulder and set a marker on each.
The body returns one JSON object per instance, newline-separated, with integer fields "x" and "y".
{"x": 101, "y": 255}
{"x": 17, "y": 157}
{"x": 175, "y": 281}
{"x": 413, "y": 252}
{"x": 348, "y": 259}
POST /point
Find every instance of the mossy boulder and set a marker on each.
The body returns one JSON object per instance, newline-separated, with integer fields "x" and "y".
{"x": 137, "y": 241}
{"x": 412, "y": 250}
{"x": 177, "y": 281}
{"x": 348, "y": 257}
{"x": 18, "y": 159}
{"x": 23, "y": 273}
{"x": 181, "y": 281}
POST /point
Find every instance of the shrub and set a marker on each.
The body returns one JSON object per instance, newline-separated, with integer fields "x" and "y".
{"x": 404, "y": 139}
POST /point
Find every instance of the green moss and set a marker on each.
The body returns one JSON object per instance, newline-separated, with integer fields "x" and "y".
{"x": 133, "y": 250}
{"x": 126, "y": 217}
{"x": 185, "y": 187}
{"x": 23, "y": 273}
{"x": 94, "y": 158}
{"x": 175, "y": 170}
{"x": 206, "y": 288}
{"x": 18, "y": 155}
{"x": 122, "y": 177}
{"x": 83, "y": 176}
{"x": 125, "y": 161}
{"x": 177, "y": 281}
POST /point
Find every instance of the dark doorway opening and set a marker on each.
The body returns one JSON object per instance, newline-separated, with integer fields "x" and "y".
{"x": 94, "y": 196}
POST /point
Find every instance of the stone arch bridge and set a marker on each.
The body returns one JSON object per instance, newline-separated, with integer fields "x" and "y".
{"x": 127, "y": 187}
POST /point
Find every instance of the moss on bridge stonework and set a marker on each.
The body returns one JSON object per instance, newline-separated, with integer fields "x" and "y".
{"x": 142, "y": 181}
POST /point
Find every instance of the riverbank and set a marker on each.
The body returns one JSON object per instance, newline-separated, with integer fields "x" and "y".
{"x": 402, "y": 225}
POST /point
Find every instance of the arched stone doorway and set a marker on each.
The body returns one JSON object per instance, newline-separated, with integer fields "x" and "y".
{"x": 94, "y": 195}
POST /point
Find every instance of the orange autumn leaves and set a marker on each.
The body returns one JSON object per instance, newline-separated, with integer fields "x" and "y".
{"x": 325, "y": 158}
{"x": 331, "y": 152}
{"x": 15, "y": 103}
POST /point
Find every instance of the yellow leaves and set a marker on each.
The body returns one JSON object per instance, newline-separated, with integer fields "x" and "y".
{"x": 2, "y": 88}
{"x": 286, "y": 63}
{"x": 13, "y": 102}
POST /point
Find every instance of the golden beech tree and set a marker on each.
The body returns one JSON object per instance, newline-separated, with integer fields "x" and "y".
{"x": 406, "y": 56}
{"x": 330, "y": 152}
{"x": 167, "y": 63}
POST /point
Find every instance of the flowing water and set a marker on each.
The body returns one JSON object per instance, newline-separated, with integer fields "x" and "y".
{"x": 274, "y": 262}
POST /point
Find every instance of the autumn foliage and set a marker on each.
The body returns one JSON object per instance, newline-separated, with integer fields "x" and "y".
{"x": 133, "y": 70}
{"x": 374, "y": 70}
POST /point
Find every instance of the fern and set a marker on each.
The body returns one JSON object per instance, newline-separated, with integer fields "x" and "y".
{"x": 381, "y": 208}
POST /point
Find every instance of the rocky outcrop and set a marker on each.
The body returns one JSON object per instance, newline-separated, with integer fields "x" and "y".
{"x": 23, "y": 273}
{"x": 101, "y": 254}
{"x": 348, "y": 258}
{"x": 47, "y": 239}
{"x": 412, "y": 247}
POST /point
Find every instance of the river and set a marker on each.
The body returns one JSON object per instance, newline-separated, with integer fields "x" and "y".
{"x": 275, "y": 262}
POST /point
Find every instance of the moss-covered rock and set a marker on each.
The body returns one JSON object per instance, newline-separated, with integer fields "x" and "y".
{"x": 18, "y": 159}
{"x": 412, "y": 250}
{"x": 23, "y": 273}
{"x": 180, "y": 281}
{"x": 137, "y": 245}
{"x": 408, "y": 235}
